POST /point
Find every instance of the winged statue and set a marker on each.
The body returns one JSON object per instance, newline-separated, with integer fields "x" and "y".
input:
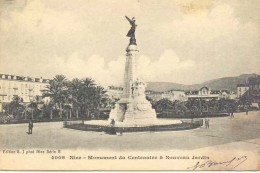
{"x": 131, "y": 32}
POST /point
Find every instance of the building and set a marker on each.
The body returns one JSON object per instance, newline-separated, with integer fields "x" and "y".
{"x": 25, "y": 87}
{"x": 254, "y": 89}
{"x": 154, "y": 95}
{"x": 114, "y": 92}
{"x": 171, "y": 95}
{"x": 174, "y": 95}
{"x": 206, "y": 93}
{"x": 242, "y": 89}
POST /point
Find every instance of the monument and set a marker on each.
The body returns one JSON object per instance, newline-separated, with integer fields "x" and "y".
{"x": 133, "y": 108}
{"x": 133, "y": 113}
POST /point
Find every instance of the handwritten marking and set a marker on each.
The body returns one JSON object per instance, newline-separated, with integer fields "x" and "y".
{"x": 236, "y": 161}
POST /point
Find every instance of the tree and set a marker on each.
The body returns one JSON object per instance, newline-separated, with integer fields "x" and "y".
{"x": 74, "y": 90}
{"x": 57, "y": 91}
{"x": 33, "y": 106}
{"x": 15, "y": 107}
{"x": 98, "y": 99}
{"x": 86, "y": 94}
{"x": 76, "y": 96}
{"x": 164, "y": 105}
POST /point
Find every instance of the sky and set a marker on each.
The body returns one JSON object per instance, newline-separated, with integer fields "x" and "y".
{"x": 181, "y": 41}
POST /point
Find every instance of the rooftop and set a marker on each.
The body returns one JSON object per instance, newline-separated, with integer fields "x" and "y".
{"x": 23, "y": 78}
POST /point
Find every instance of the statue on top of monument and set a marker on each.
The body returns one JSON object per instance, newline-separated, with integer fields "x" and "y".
{"x": 131, "y": 32}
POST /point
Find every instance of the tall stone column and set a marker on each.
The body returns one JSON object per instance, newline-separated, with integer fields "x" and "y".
{"x": 130, "y": 70}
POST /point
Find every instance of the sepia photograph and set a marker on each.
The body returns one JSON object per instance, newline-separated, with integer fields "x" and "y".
{"x": 129, "y": 85}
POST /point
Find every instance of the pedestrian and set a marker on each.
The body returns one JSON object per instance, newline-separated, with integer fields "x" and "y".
{"x": 121, "y": 131}
{"x": 30, "y": 126}
{"x": 232, "y": 114}
{"x": 246, "y": 111}
{"x": 112, "y": 123}
{"x": 208, "y": 123}
{"x": 112, "y": 129}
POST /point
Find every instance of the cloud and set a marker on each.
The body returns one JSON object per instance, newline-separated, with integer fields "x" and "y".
{"x": 112, "y": 72}
{"x": 165, "y": 67}
{"x": 215, "y": 37}
{"x": 36, "y": 18}
{"x": 94, "y": 67}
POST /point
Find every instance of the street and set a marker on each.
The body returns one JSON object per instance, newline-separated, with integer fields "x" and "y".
{"x": 241, "y": 132}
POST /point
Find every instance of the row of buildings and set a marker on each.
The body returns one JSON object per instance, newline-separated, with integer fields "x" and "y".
{"x": 181, "y": 95}
{"x": 25, "y": 87}
{"x": 251, "y": 90}
{"x": 28, "y": 88}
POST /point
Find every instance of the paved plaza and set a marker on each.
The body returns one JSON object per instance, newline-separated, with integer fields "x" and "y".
{"x": 241, "y": 132}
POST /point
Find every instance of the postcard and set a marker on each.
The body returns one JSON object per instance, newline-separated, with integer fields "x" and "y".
{"x": 129, "y": 85}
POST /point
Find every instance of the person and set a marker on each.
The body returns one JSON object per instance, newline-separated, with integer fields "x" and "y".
{"x": 30, "y": 127}
{"x": 232, "y": 114}
{"x": 121, "y": 131}
{"x": 112, "y": 129}
{"x": 246, "y": 111}
{"x": 229, "y": 114}
{"x": 112, "y": 123}
{"x": 207, "y": 123}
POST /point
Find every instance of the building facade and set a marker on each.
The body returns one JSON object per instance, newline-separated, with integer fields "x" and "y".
{"x": 171, "y": 95}
{"x": 26, "y": 88}
{"x": 114, "y": 92}
{"x": 206, "y": 93}
{"x": 174, "y": 95}
{"x": 242, "y": 89}
{"x": 254, "y": 89}
{"x": 155, "y": 96}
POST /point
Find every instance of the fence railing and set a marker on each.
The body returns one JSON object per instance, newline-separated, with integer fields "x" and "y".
{"x": 186, "y": 124}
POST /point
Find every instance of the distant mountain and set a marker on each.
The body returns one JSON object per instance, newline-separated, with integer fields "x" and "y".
{"x": 164, "y": 86}
{"x": 229, "y": 83}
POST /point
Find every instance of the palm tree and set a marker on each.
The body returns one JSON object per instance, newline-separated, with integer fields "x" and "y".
{"x": 98, "y": 99}
{"x": 86, "y": 94}
{"x": 51, "y": 104}
{"x": 57, "y": 91}
{"x": 73, "y": 87}
{"x": 88, "y": 82}
{"x": 33, "y": 107}
{"x": 61, "y": 86}
{"x": 67, "y": 108}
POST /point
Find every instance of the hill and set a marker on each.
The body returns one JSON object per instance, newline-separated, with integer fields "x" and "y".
{"x": 229, "y": 83}
{"x": 164, "y": 86}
